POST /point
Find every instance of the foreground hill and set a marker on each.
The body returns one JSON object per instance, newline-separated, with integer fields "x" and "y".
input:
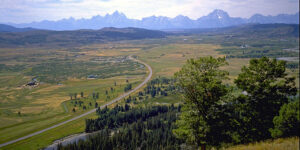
{"x": 278, "y": 144}
{"x": 77, "y": 37}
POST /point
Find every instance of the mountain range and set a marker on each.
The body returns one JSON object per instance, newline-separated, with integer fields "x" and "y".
{"x": 216, "y": 19}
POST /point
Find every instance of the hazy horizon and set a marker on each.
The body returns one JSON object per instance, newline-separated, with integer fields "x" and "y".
{"x": 26, "y": 11}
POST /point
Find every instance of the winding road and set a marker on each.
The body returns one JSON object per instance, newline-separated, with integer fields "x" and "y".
{"x": 91, "y": 111}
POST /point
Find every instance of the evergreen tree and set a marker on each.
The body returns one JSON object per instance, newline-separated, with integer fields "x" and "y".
{"x": 201, "y": 84}
{"x": 266, "y": 88}
{"x": 287, "y": 123}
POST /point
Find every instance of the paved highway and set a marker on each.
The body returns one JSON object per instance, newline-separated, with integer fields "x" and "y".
{"x": 89, "y": 112}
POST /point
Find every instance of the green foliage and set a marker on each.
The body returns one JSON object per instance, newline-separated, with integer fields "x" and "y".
{"x": 288, "y": 122}
{"x": 273, "y": 51}
{"x": 201, "y": 84}
{"x": 292, "y": 65}
{"x": 120, "y": 115}
{"x": 267, "y": 88}
{"x": 131, "y": 128}
{"x": 128, "y": 87}
{"x": 11, "y": 68}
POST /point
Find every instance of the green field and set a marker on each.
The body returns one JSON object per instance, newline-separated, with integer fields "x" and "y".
{"x": 26, "y": 109}
{"x": 46, "y": 138}
{"x": 63, "y": 72}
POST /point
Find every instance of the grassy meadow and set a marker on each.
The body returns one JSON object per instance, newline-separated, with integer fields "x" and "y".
{"x": 26, "y": 109}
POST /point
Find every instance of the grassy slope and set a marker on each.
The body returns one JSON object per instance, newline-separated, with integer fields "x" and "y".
{"x": 277, "y": 144}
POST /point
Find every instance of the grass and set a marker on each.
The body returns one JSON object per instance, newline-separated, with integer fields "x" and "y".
{"x": 170, "y": 99}
{"x": 50, "y": 111}
{"x": 44, "y": 139}
{"x": 277, "y": 144}
{"x": 167, "y": 59}
{"x": 41, "y": 107}
{"x": 49, "y": 103}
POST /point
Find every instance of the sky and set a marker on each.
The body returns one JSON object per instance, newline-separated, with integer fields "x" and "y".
{"x": 25, "y": 11}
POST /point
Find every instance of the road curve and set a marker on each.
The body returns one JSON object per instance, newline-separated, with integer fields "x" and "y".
{"x": 89, "y": 112}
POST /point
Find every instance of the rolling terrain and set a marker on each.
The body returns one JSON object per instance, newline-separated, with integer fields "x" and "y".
{"x": 74, "y": 38}
{"x": 63, "y": 71}
{"x": 89, "y": 112}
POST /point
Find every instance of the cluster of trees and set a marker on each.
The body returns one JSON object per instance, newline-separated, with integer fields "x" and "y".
{"x": 150, "y": 128}
{"x": 259, "y": 53}
{"x": 128, "y": 87}
{"x": 159, "y": 86}
{"x": 95, "y": 95}
{"x": 213, "y": 114}
{"x": 75, "y": 96}
{"x": 76, "y": 100}
{"x": 80, "y": 103}
{"x": 120, "y": 115}
{"x": 292, "y": 65}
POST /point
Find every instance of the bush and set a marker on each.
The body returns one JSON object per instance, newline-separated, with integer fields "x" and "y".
{"x": 287, "y": 123}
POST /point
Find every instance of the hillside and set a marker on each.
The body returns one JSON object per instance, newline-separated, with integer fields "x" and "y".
{"x": 77, "y": 37}
{"x": 7, "y": 28}
{"x": 267, "y": 30}
{"x": 252, "y": 30}
{"x": 279, "y": 144}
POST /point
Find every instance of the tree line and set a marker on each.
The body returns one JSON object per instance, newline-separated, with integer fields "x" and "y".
{"x": 120, "y": 115}
{"x": 157, "y": 87}
{"x": 146, "y": 128}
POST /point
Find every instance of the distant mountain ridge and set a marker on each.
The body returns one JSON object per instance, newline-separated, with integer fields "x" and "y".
{"x": 76, "y": 37}
{"x": 216, "y": 19}
{"x": 7, "y": 28}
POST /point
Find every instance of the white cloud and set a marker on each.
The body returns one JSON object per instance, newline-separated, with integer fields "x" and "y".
{"x": 36, "y": 10}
